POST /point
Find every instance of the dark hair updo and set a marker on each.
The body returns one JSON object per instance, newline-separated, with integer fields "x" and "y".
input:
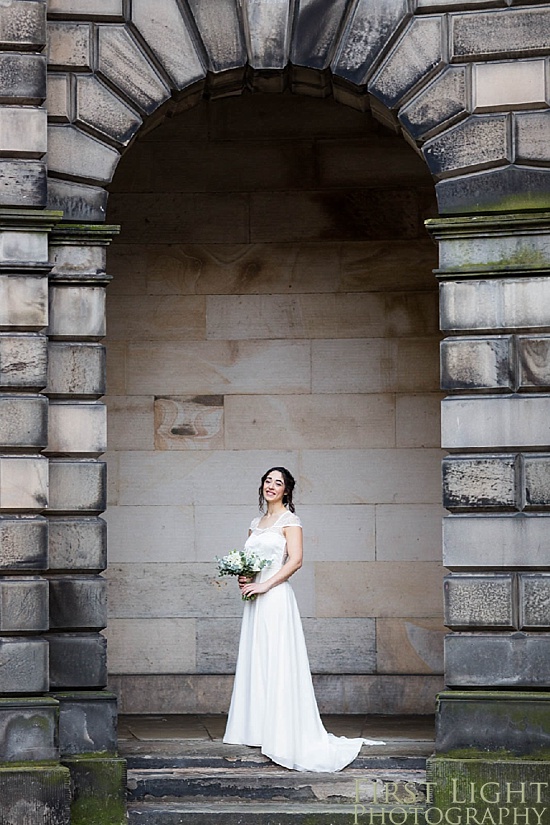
{"x": 288, "y": 479}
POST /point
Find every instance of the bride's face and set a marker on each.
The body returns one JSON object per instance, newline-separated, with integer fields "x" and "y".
{"x": 274, "y": 487}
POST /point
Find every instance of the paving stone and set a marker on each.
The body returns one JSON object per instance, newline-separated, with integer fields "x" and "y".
{"x": 77, "y": 660}
{"x": 495, "y": 422}
{"x": 508, "y": 86}
{"x": 414, "y": 57}
{"x": 482, "y": 482}
{"x": 23, "y": 361}
{"x": 77, "y": 312}
{"x": 69, "y": 45}
{"x": 77, "y": 486}
{"x": 23, "y": 183}
{"x": 493, "y": 542}
{"x": 495, "y": 304}
{"x": 22, "y": 78}
{"x": 441, "y": 101}
{"x": 77, "y": 544}
{"x": 537, "y": 482}
{"x": 534, "y": 599}
{"x": 23, "y": 543}
{"x": 500, "y": 33}
{"x": 370, "y": 27}
{"x": 125, "y": 65}
{"x": 77, "y": 602}
{"x": 494, "y": 191}
{"x": 315, "y": 31}
{"x": 220, "y": 29}
{"x": 78, "y": 201}
{"x": 477, "y": 364}
{"x": 28, "y": 729}
{"x": 24, "y": 483}
{"x": 23, "y": 131}
{"x": 75, "y": 369}
{"x": 77, "y": 428}
{"x": 477, "y": 141}
{"x": 532, "y": 133}
{"x": 23, "y": 604}
{"x": 72, "y": 152}
{"x": 167, "y": 34}
{"x": 480, "y": 601}
{"x": 23, "y": 24}
{"x": 99, "y": 108}
{"x": 23, "y": 421}
{"x": 28, "y": 671}
{"x": 491, "y": 660}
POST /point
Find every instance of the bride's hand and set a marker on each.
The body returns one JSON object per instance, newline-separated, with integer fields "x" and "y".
{"x": 254, "y": 588}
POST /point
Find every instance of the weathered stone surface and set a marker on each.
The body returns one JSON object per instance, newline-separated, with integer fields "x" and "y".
{"x": 28, "y": 670}
{"x": 23, "y": 132}
{"x": 101, "y": 8}
{"x": 77, "y": 312}
{"x": 77, "y": 660}
{"x": 495, "y": 304}
{"x": 440, "y": 102}
{"x": 533, "y": 357}
{"x": 23, "y": 183}
{"x": 408, "y": 532}
{"x": 77, "y": 486}
{"x": 194, "y": 422}
{"x": 80, "y": 253}
{"x": 78, "y": 602}
{"x": 493, "y": 542}
{"x": 508, "y": 85}
{"x": 152, "y": 645}
{"x": 72, "y": 152}
{"x": 537, "y": 481}
{"x": 414, "y": 57}
{"x": 23, "y": 421}
{"x": 78, "y": 201}
{"x": 220, "y": 28}
{"x": 492, "y": 660}
{"x": 502, "y": 33}
{"x": 23, "y": 361}
{"x": 166, "y": 32}
{"x": 77, "y": 428}
{"x": 315, "y": 30}
{"x": 495, "y": 422}
{"x": 87, "y": 722}
{"x": 99, "y": 784}
{"x": 130, "y": 423}
{"x": 476, "y": 143}
{"x": 23, "y": 24}
{"x": 58, "y": 100}
{"x": 513, "y": 187}
{"x": 77, "y": 544}
{"x": 24, "y": 246}
{"x": 69, "y": 45}
{"x": 99, "y": 108}
{"x": 23, "y": 604}
{"x": 267, "y": 28}
{"x": 38, "y": 793}
{"x": 23, "y": 483}
{"x": 532, "y": 133}
{"x": 370, "y": 27}
{"x": 28, "y": 729}
{"x": 23, "y": 543}
{"x": 160, "y": 318}
{"x": 480, "y": 601}
{"x": 22, "y": 78}
{"x": 409, "y": 645}
{"x": 75, "y": 369}
{"x": 125, "y": 65}
{"x": 418, "y": 420}
{"x": 477, "y": 364}
{"x": 162, "y": 534}
{"x": 534, "y": 599}
{"x": 483, "y": 482}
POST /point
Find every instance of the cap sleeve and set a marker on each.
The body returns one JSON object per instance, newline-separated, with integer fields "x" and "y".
{"x": 254, "y": 523}
{"x": 291, "y": 520}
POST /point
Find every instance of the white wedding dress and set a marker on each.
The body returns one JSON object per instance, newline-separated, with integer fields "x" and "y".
{"x": 273, "y": 705}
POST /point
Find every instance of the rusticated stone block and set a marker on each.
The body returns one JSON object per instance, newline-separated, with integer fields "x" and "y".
{"x": 23, "y": 361}
{"x": 122, "y": 63}
{"x": 532, "y": 133}
{"x": 484, "y": 482}
{"x": 268, "y": 28}
{"x": 28, "y": 665}
{"x": 441, "y": 101}
{"x": 75, "y": 369}
{"x": 515, "y": 722}
{"x": 78, "y": 602}
{"x": 23, "y": 183}
{"x": 69, "y": 45}
{"x": 415, "y": 56}
{"x": 99, "y": 786}
{"x": 496, "y": 304}
{"x": 537, "y": 482}
{"x": 28, "y": 729}
{"x": 495, "y": 34}
{"x": 23, "y": 483}
{"x": 77, "y": 312}
{"x": 77, "y": 486}
{"x": 493, "y": 542}
{"x": 22, "y": 78}
{"x": 23, "y": 543}
{"x": 101, "y": 8}
{"x": 77, "y": 544}
{"x": 500, "y": 660}
{"x": 78, "y": 201}
{"x": 477, "y": 364}
{"x": 315, "y": 50}
{"x": 533, "y": 361}
{"x": 96, "y": 106}
{"x": 480, "y": 601}
{"x": 534, "y": 599}
{"x": 87, "y": 722}
{"x": 23, "y": 604}
{"x": 77, "y": 428}
{"x": 58, "y": 100}
{"x": 473, "y": 142}
{"x": 23, "y": 302}
{"x": 494, "y": 191}
{"x": 72, "y": 152}
{"x": 495, "y": 422}
{"x": 509, "y": 85}
{"x": 35, "y": 795}
{"x": 23, "y": 24}
{"x": 23, "y": 421}
{"x": 77, "y": 660}
{"x": 220, "y": 30}
{"x": 23, "y": 132}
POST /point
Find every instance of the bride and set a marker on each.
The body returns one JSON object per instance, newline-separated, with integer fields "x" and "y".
{"x": 273, "y": 705}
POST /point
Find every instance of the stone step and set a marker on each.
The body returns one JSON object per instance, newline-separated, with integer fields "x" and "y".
{"x": 270, "y": 813}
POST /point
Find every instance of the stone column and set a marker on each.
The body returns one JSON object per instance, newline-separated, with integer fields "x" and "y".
{"x": 493, "y": 724}
{"x": 77, "y": 536}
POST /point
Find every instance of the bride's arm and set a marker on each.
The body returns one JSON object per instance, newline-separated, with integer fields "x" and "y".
{"x": 294, "y": 549}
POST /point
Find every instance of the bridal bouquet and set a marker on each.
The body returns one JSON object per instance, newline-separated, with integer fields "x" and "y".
{"x": 242, "y": 563}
